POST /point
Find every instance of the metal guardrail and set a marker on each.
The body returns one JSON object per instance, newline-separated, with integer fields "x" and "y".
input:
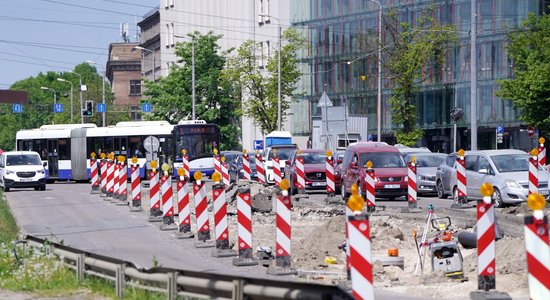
{"x": 177, "y": 282}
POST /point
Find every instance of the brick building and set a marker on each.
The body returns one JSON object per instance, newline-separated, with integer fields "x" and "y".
{"x": 124, "y": 73}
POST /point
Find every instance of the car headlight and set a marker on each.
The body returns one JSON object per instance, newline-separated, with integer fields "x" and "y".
{"x": 426, "y": 178}
{"x": 406, "y": 178}
{"x": 512, "y": 184}
{"x": 40, "y": 171}
{"x": 8, "y": 172}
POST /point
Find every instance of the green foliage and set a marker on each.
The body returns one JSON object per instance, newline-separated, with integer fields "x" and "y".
{"x": 414, "y": 48}
{"x": 259, "y": 90}
{"x": 8, "y": 227}
{"x": 215, "y": 102}
{"x": 529, "y": 90}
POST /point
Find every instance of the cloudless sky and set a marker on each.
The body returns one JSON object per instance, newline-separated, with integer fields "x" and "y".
{"x": 55, "y": 35}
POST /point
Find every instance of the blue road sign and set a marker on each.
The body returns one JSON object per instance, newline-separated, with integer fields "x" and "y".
{"x": 58, "y": 108}
{"x": 258, "y": 144}
{"x": 101, "y": 107}
{"x": 146, "y": 107}
{"x": 500, "y": 129}
{"x": 17, "y": 108}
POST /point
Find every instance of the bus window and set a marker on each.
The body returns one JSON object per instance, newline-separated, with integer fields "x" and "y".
{"x": 135, "y": 144}
{"x": 64, "y": 149}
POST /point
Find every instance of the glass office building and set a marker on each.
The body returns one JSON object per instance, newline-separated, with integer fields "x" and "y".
{"x": 341, "y": 60}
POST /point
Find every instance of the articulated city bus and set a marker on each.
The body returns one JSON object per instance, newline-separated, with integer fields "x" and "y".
{"x": 67, "y": 147}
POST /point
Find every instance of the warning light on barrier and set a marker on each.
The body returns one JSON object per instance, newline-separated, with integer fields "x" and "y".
{"x": 93, "y": 155}
{"x": 181, "y": 172}
{"x": 329, "y": 153}
{"x": 215, "y": 151}
{"x": 356, "y": 201}
{"x": 216, "y": 177}
{"x": 536, "y": 201}
{"x": 244, "y": 151}
{"x": 461, "y": 152}
{"x": 121, "y": 158}
{"x": 534, "y": 152}
{"x": 134, "y": 160}
{"x": 223, "y": 159}
{"x": 284, "y": 184}
{"x": 299, "y": 151}
{"x": 102, "y": 155}
{"x": 183, "y": 151}
{"x": 154, "y": 165}
{"x": 165, "y": 167}
{"x": 275, "y": 152}
{"x": 368, "y": 164}
{"x": 197, "y": 175}
{"x": 541, "y": 141}
{"x": 486, "y": 191}
{"x": 413, "y": 160}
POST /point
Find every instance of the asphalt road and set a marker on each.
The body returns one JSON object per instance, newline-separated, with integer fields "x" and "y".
{"x": 68, "y": 212}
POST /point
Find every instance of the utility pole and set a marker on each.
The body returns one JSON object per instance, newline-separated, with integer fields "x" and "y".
{"x": 103, "y": 97}
{"x": 193, "y": 75}
{"x": 473, "y": 77}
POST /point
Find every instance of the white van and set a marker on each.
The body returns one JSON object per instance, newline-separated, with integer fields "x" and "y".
{"x": 22, "y": 169}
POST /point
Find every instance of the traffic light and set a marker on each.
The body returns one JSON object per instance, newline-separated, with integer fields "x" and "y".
{"x": 89, "y": 110}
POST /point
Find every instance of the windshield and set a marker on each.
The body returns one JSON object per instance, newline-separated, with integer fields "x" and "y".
{"x": 511, "y": 162}
{"x": 426, "y": 161}
{"x": 383, "y": 159}
{"x": 282, "y": 153}
{"x": 314, "y": 158}
{"x": 23, "y": 160}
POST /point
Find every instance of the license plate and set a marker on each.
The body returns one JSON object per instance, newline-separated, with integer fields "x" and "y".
{"x": 392, "y": 186}
{"x": 318, "y": 183}
{"x": 26, "y": 179}
{"x": 543, "y": 192}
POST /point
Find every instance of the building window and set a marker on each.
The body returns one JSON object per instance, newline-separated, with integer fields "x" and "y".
{"x": 172, "y": 34}
{"x": 135, "y": 87}
{"x": 167, "y": 36}
{"x": 171, "y": 3}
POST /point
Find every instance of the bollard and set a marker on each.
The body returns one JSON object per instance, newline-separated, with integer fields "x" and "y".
{"x": 221, "y": 231}
{"x": 360, "y": 256}
{"x": 135, "y": 184}
{"x": 155, "y": 214}
{"x": 217, "y": 163}
{"x": 225, "y": 173}
{"x": 411, "y": 174}
{"x": 123, "y": 183}
{"x": 369, "y": 178}
{"x": 300, "y": 173}
{"x": 185, "y": 162}
{"x": 533, "y": 172}
{"x": 260, "y": 168}
{"x": 203, "y": 228}
{"x": 542, "y": 153}
{"x": 103, "y": 175}
{"x": 244, "y": 229}
{"x": 282, "y": 265}
{"x": 184, "y": 211}
{"x": 486, "y": 267}
{"x": 276, "y": 168}
{"x": 110, "y": 177}
{"x": 329, "y": 176}
{"x": 538, "y": 250}
{"x": 246, "y": 166}
{"x": 94, "y": 174}
{"x": 167, "y": 200}
{"x": 462, "y": 196}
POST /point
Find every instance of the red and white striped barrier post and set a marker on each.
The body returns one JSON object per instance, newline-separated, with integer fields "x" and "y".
{"x": 166, "y": 194}
{"x": 538, "y": 249}
{"x": 135, "y": 185}
{"x": 300, "y": 173}
{"x": 94, "y": 174}
{"x": 461, "y": 179}
{"x": 184, "y": 210}
{"x": 244, "y": 229}
{"x": 542, "y": 153}
{"x": 329, "y": 169}
{"x": 221, "y": 231}
{"x": 533, "y": 172}
{"x": 276, "y": 163}
{"x": 217, "y": 163}
{"x": 360, "y": 249}
{"x": 411, "y": 181}
{"x": 155, "y": 212}
{"x": 225, "y": 173}
{"x": 246, "y": 166}
{"x": 371, "y": 197}
{"x": 201, "y": 205}
{"x": 486, "y": 267}
{"x": 260, "y": 168}
{"x": 283, "y": 260}
{"x": 185, "y": 161}
{"x": 123, "y": 182}
{"x": 349, "y": 213}
{"x": 110, "y": 176}
{"x": 116, "y": 185}
{"x": 103, "y": 175}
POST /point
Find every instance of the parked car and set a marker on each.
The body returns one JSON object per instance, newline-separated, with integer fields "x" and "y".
{"x": 283, "y": 153}
{"x": 443, "y": 175}
{"x": 230, "y": 156}
{"x": 405, "y": 150}
{"x": 314, "y": 170}
{"x": 426, "y": 168}
{"x": 22, "y": 169}
{"x": 508, "y": 172}
{"x": 389, "y": 169}
{"x": 236, "y": 168}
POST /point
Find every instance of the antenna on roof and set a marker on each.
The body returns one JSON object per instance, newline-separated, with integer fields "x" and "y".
{"x": 124, "y": 32}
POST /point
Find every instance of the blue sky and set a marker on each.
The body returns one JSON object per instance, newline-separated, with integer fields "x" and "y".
{"x": 55, "y": 35}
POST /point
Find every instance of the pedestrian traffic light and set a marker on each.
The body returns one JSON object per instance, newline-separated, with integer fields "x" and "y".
{"x": 88, "y": 111}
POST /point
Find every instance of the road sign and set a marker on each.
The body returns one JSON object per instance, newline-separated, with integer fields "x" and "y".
{"x": 17, "y": 108}
{"x": 101, "y": 107}
{"x": 258, "y": 144}
{"x": 151, "y": 144}
{"x": 58, "y": 108}
{"x": 146, "y": 107}
{"x": 530, "y": 131}
{"x": 500, "y": 129}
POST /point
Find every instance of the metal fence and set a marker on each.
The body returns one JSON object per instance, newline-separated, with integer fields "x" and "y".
{"x": 183, "y": 283}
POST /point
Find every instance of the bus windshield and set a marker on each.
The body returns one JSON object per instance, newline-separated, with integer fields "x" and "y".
{"x": 199, "y": 140}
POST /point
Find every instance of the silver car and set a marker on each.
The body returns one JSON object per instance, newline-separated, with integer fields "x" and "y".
{"x": 506, "y": 170}
{"x": 426, "y": 167}
{"x": 444, "y": 173}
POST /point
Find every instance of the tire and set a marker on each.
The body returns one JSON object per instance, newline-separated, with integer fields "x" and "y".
{"x": 440, "y": 190}
{"x": 36, "y": 188}
{"x": 455, "y": 195}
{"x": 497, "y": 198}
{"x": 6, "y": 189}
{"x": 343, "y": 192}
{"x": 43, "y": 187}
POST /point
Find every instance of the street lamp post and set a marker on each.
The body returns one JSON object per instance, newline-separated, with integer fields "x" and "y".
{"x": 379, "y": 97}
{"x": 63, "y": 80}
{"x": 80, "y": 92}
{"x": 152, "y": 53}
{"x": 193, "y": 115}
{"x": 278, "y": 71}
{"x": 102, "y": 89}
{"x": 54, "y": 93}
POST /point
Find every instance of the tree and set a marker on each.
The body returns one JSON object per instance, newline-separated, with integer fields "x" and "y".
{"x": 171, "y": 96}
{"x": 412, "y": 50}
{"x": 259, "y": 90}
{"x": 529, "y": 90}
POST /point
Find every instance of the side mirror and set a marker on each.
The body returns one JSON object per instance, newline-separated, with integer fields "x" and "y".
{"x": 44, "y": 164}
{"x": 287, "y": 162}
{"x": 338, "y": 161}
{"x": 353, "y": 165}
{"x": 483, "y": 171}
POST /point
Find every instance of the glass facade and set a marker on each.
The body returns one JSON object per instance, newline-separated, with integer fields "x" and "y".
{"x": 341, "y": 59}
